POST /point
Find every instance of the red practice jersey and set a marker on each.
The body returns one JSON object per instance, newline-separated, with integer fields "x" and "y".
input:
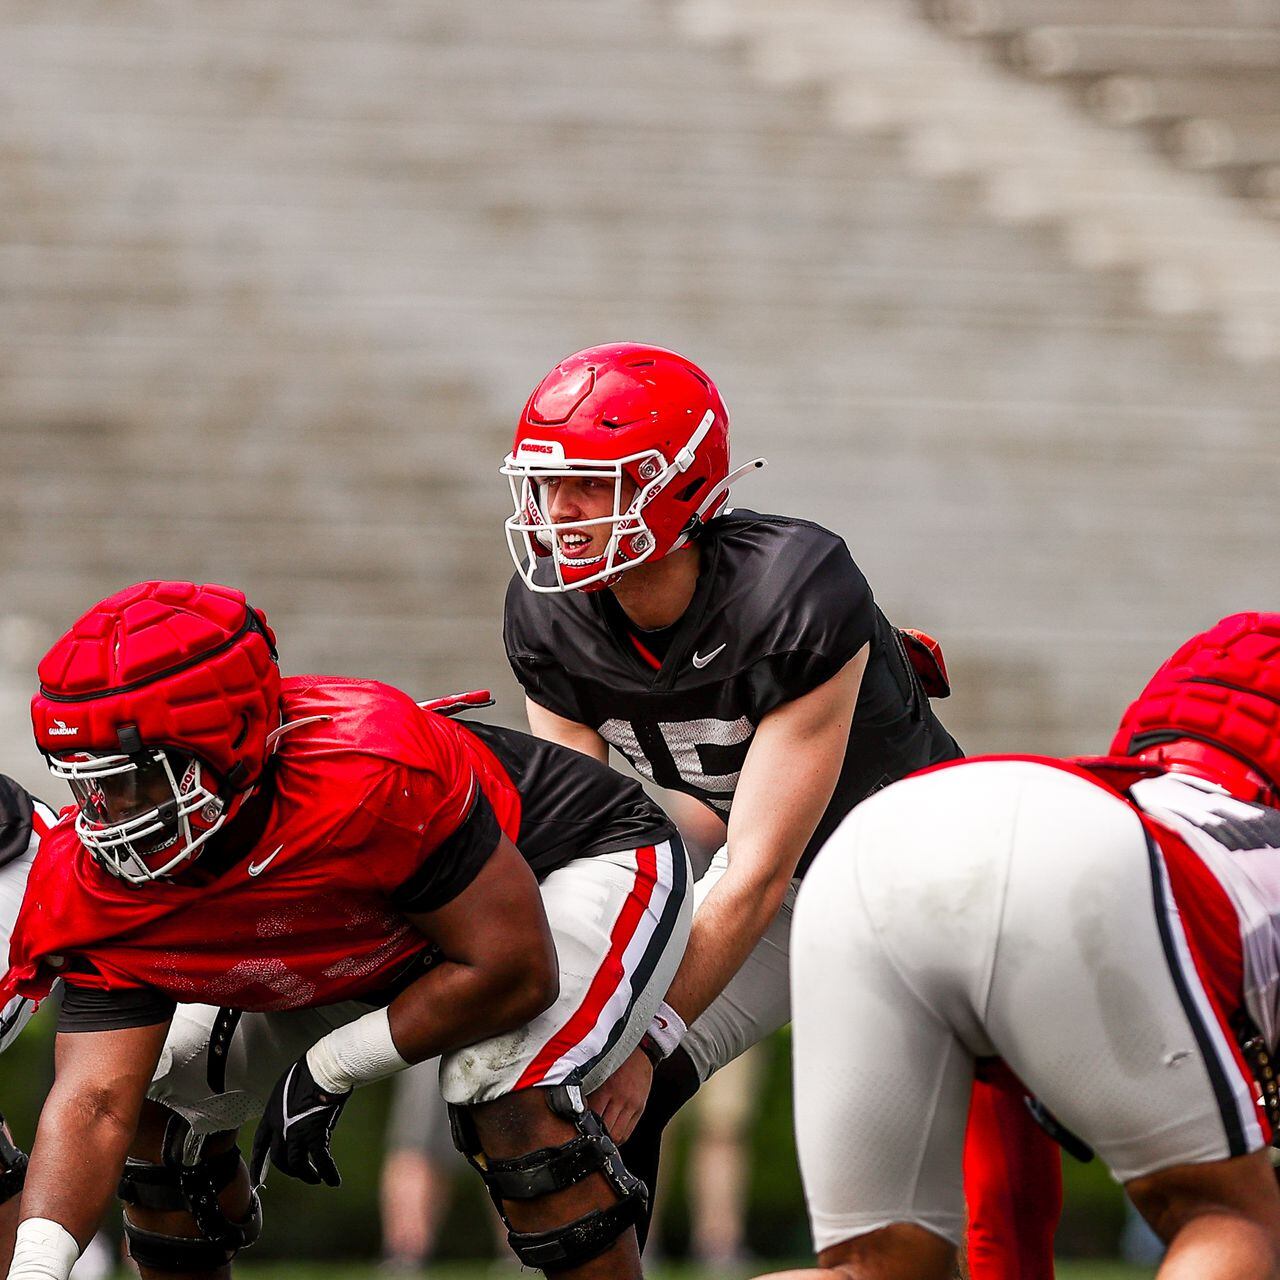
{"x": 367, "y": 794}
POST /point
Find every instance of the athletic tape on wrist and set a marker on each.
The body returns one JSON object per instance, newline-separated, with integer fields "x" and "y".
{"x": 43, "y": 1250}
{"x": 359, "y": 1053}
{"x": 667, "y": 1029}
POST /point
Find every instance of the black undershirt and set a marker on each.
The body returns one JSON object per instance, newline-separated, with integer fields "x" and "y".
{"x": 86, "y": 1009}
{"x": 650, "y": 646}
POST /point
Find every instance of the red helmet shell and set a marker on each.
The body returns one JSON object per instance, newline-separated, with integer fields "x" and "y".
{"x": 188, "y": 667}
{"x": 1220, "y": 691}
{"x": 622, "y": 403}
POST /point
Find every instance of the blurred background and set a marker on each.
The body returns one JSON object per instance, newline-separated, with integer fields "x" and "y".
{"x": 994, "y": 284}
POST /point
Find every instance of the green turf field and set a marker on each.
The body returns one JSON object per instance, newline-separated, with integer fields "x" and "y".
{"x": 486, "y": 1271}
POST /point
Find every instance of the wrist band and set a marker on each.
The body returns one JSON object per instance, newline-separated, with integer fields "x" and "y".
{"x": 43, "y": 1250}
{"x": 360, "y": 1052}
{"x": 666, "y": 1029}
{"x": 652, "y": 1050}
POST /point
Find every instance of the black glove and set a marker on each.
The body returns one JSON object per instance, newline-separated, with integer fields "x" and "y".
{"x": 13, "y": 1165}
{"x": 294, "y": 1130}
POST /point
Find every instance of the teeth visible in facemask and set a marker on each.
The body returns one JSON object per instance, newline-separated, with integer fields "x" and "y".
{"x": 571, "y": 542}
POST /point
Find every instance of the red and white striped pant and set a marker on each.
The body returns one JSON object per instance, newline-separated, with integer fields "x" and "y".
{"x": 620, "y": 922}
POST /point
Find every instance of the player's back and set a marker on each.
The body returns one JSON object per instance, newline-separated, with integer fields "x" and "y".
{"x": 937, "y": 859}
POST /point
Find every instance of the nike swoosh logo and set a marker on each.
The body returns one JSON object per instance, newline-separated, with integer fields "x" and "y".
{"x": 661, "y": 1021}
{"x": 257, "y": 868}
{"x": 701, "y": 660}
{"x": 290, "y": 1121}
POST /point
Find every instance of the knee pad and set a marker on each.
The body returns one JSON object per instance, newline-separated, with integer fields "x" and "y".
{"x": 13, "y": 1166}
{"x": 190, "y": 1181}
{"x": 552, "y": 1169}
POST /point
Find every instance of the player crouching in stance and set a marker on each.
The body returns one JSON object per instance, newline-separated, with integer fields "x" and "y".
{"x": 1111, "y": 928}
{"x": 23, "y": 821}
{"x": 370, "y": 884}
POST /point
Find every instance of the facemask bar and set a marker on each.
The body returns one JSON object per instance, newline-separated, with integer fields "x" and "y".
{"x": 625, "y": 524}
{"x": 113, "y": 845}
{"x": 524, "y": 480}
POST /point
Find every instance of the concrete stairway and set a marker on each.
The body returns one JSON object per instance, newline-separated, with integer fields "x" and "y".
{"x": 1198, "y": 84}
{"x": 276, "y": 276}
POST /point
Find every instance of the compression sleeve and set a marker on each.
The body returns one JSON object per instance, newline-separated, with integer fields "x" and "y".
{"x": 84, "y": 1009}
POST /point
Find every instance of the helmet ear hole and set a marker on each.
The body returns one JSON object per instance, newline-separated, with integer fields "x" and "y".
{"x": 686, "y": 494}
{"x": 244, "y": 732}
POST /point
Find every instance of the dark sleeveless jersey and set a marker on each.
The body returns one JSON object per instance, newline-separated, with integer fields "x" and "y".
{"x": 780, "y": 607}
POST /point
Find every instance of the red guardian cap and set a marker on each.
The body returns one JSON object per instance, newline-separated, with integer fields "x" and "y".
{"x": 643, "y": 418}
{"x": 1213, "y": 709}
{"x": 156, "y": 706}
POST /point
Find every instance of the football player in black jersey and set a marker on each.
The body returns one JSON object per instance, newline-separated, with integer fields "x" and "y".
{"x": 736, "y": 657}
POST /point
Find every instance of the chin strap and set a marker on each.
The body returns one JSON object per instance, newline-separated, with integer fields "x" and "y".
{"x": 717, "y": 491}
{"x": 288, "y": 727}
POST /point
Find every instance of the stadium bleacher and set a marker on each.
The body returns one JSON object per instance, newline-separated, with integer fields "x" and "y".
{"x": 275, "y": 279}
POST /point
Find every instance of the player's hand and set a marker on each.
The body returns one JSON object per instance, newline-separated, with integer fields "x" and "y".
{"x": 620, "y": 1100}
{"x": 13, "y": 1165}
{"x": 293, "y": 1133}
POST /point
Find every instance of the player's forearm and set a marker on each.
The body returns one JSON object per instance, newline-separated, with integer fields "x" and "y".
{"x": 458, "y": 1004}
{"x": 452, "y": 1006}
{"x": 726, "y": 928}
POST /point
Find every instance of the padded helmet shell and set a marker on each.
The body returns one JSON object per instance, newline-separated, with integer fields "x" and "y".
{"x": 1214, "y": 708}
{"x": 165, "y": 664}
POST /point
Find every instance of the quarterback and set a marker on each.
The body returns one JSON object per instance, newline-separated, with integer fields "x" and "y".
{"x": 271, "y": 891}
{"x": 1109, "y": 927}
{"x": 736, "y": 657}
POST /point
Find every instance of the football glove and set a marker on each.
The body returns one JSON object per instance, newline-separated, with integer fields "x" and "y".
{"x": 293, "y": 1133}
{"x": 13, "y": 1165}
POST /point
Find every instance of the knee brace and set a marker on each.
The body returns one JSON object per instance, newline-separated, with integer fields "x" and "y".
{"x": 13, "y": 1166}
{"x": 190, "y": 1181}
{"x": 552, "y": 1169}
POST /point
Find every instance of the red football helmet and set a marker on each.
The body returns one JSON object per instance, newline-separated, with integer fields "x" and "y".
{"x": 1213, "y": 709}
{"x": 644, "y": 418}
{"x": 157, "y": 708}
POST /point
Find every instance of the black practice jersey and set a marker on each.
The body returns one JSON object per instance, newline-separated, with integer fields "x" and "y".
{"x": 571, "y": 806}
{"x": 16, "y": 818}
{"x": 780, "y": 607}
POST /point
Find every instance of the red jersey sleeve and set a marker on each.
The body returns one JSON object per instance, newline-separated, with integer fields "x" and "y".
{"x": 424, "y": 833}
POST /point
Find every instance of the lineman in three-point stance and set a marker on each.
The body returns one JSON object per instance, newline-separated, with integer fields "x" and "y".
{"x": 368, "y": 884}
{"x": 1111, "y": 928}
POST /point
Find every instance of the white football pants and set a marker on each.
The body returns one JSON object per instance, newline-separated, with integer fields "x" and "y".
{"x": 994, "y": 907}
